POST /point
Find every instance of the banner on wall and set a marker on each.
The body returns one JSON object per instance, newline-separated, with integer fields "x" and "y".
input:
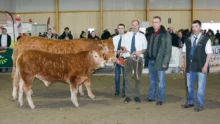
{"x": 215, "y": 60}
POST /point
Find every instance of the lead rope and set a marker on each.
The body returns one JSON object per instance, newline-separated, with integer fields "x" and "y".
{"x": 136, "y": 60}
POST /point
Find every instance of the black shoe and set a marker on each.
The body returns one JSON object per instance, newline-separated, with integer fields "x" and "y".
{"x": 123, "y": 95}
{"x": 198, "y": 108}
{"x": 127, "y": 100}
{"x": 159, "y": 103}
{"x": 187, "y": 105}
{"x": 137, "y": 100}
{"x": 117, "y": 93}
{"x": 149, "y": 100}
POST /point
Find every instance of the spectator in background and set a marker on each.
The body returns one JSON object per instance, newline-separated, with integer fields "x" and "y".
{"x": 217, "y": 35}
{"x": 204, "y": 32}
{"x": 19, "y": 36}
{"x": 83, "y": 34}
{"x": 216, "y": 42}
{"x": 211, "y": 36}
{"x": 180, "y": 39}
{"x": 40, "y": 35}
{"x": 50, "y": 34}
{"x": 106, "y": 34}
{"x": 5, "y": 39}
{"x": 174, "y": 37}
{"x": 66, "y": 34}
{"x": 94, "y": 36}
{"x": 5, "y": 42}
{"x": 116, "y": 33}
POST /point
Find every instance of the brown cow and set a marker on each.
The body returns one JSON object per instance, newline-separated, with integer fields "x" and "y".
{"x": 60, "y": 47}
{"x": 73, "y": 69}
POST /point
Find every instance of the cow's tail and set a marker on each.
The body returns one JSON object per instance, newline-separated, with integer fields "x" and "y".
{"x": 16, "y": 79}
{"x": 14, "y": 58}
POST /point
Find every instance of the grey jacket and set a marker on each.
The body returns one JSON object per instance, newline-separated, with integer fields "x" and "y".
{"x": 160, "y": 49}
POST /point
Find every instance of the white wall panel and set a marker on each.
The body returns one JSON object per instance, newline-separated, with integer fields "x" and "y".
{"x": 124, "y": 4}
{"x": 6, "y": 5}
{"x": 207, "y": 4}
{"x": 79, "y": 5}
{"x": 170, "y": 4}
{"x": 34, "y": 5}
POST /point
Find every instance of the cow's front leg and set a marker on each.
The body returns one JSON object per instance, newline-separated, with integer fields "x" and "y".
{"x": 87, "y": 83}
{"x": 74, "y": 90}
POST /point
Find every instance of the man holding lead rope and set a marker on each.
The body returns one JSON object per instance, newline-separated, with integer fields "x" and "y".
{"x": 134, "y": 45}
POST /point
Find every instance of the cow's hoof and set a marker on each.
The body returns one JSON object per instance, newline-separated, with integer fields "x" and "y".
{"x": 77, "y": 105}
{"x": 93, "y": 97}
{"x": 14, "y": 99}
{"x": 21, "y": 105}
{"x": 32, "y": 107}
{"x": 82, "y": 94}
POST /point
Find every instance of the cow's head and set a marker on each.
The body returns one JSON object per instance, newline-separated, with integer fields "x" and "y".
{"x": 97, "y": 58}
{"x": 108, "y": 50}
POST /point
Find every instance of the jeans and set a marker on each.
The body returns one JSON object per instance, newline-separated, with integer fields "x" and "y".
{"x": 191, "y": 78}
{"x": 157, "y": 79}
{"x": 118, "y": 70}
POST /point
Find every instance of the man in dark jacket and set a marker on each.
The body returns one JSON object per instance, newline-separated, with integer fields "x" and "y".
{"x": 106, "y": 34}
{"x": 5, "y": 39}
{"x": 158, "y": 53}
{"x": 198, "y": 52}
{"x": 66, "y": 34}
{"x": 175, "y": 38}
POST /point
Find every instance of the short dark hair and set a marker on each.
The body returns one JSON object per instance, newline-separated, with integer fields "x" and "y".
{"x": 4, "y": 29}
{"x": 157, "y": 17}
{"x": 121, "y": 25}
{"x": 197, "y": 22}
{"x": 48, "y": 29}
{"x": 66, "y": 28}
{"x": 136, "y": 21}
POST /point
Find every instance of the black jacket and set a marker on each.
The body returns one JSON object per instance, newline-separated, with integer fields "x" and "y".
{"x": 64, "y": 35}
{"x": 8, "y": 40}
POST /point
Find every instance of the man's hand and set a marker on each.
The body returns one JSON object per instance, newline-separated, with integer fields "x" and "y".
{"x": 125, "y": 50}
{"x": 137, "y": 53}
{"x": 164, "y": 66}
{"x": 205, "y": 69}
{"x": 119, "y": 51}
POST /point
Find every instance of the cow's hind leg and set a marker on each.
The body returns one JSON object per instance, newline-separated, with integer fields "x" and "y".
{"x": 20, "y": 94}
{"x": 87, "y": 83}
{"x": 27, "y": 86}
{"x": 74, "y": 91}
{"x": 81, "y": 90}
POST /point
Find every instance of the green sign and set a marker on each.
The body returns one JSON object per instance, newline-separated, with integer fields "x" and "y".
{"x": 6, "y": 58}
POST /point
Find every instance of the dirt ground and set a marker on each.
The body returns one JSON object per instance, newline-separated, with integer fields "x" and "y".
{"x": 53, "y": 105}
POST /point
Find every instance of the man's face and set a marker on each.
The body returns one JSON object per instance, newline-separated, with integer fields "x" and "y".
{"x": 135, "y": 26}
{"x": 66, "y": 31}
{"x": 170, "y": 30}
{"x": 121, "y": 29}
{"x": 156, "y": 23}
{"x": 49, "y": 32}
{"x": 93, "y": 34}
{"x": 196, "y": 28}
{"x": 4, "y": 31}
{"x": 180, "y": 35}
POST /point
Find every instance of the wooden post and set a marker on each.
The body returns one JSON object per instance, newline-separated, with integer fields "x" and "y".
{"x": 57, "y": 17}
{"x": 101, "y": 16}
{"x": 147, "y": 11}
{"x": 192, "y": 11}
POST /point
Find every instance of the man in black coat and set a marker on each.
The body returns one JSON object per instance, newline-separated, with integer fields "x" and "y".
{"x": 5, "y": 39}
{"x": 66, "y": 34}
{"x": 174, "y": 37}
